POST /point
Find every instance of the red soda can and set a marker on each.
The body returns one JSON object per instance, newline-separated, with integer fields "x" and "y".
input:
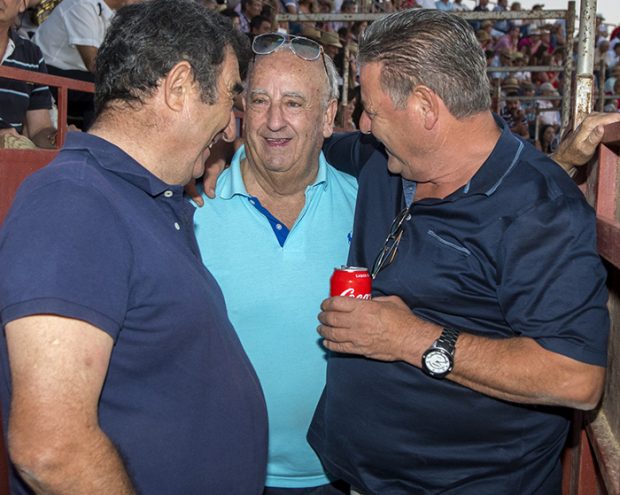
{"x": 351, "y": 281}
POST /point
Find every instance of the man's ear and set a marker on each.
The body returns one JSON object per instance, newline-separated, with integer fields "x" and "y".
{"x": 426, "y": 105}
{"x": 178, "y": 85}
{"x": 328, "y": 119}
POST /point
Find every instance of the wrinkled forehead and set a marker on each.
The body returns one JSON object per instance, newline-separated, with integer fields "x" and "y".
{"x": 284, "y": 65}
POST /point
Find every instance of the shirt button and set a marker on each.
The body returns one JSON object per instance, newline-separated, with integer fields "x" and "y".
{"x": 252, "y": 202}
{"x": 278, "y": 226}
{"x": 177, "y": 226}
{"x": 168, "y": 193}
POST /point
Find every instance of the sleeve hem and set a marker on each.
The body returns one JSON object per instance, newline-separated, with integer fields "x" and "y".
{"x": 60, "y": 307}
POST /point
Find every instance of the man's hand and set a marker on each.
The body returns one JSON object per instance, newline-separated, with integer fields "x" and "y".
{"x": 383, "y": 328}
{"x": 578, "y": 147}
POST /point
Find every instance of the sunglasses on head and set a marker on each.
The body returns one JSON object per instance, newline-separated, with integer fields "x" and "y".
{"x": 304, "y": 48}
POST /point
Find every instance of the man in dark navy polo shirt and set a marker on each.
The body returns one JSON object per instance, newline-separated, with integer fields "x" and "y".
{"x": 489, "y": 316}
{"x": 121, "y": 372}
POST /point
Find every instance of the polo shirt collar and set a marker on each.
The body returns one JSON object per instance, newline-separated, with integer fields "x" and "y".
{"x": 10, "y": 47}
{"x": 115, "y": 160}
{"x": 235, "y": 184}
{"x": 501, "y": 161}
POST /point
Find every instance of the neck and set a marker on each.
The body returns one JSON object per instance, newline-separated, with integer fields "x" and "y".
{"x": 259, "y": 180}
{"x": 141, "y": 138}
{"x": 465, "y": 146}
{"x": 281, "y": 193}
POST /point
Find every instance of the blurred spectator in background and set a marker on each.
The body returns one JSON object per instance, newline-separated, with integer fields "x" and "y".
{"x": 444, "y": 5}
{"x": 458, "y": 6}
{"x": 503, "y": 25}
{"x": 514, "y": 116}
{"x": 24, "y": 107}
{"x": 69, "y": 40}
{"x": 612, "y": 56}
{"x": 248, "y": 9}
{"x": 233, "y": 15}
{"x": 259, "y": 25}
{"x": 547, "y": 139}
{"x": 548, "y": 113}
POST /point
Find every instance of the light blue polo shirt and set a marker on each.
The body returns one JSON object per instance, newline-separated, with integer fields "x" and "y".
{"x": 273, "y": 293}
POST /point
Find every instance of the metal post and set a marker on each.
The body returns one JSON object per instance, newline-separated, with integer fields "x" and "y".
{"x": 567, "y": 89}
{"x": 602, "y": 74}
{"x": 585, "y": 61}
{"x": 344, "y": 97}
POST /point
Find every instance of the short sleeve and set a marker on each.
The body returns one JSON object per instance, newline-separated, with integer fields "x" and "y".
{"x": 552, "y": 282}
{"x": 63, "y": 252}
{"x": 40, "y": 97}
{"x": 83, "y": 24}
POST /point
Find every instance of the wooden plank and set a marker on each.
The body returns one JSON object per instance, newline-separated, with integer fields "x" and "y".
{"x": 46, "y": 79}
{"x": 607, "y": 183}
{"x": 608, "y": 239}
{"x": 606, "y": 451}
{"x": 15, "y": 166}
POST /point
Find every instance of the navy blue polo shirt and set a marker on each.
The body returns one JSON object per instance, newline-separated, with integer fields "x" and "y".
{"x": 18, "y": 97}
{"x": 96, "y": 237}
{"x": 512, "y": 253}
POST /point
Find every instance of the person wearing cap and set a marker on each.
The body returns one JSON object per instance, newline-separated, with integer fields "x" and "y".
{"x": 331, "y": 44}
{"x": 547, "y": 108}
{"x": 280, "y": 222}
{"x": 514, "y": 115}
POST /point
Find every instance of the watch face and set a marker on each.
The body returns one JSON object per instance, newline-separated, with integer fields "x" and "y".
{"x": 437, "y": 362}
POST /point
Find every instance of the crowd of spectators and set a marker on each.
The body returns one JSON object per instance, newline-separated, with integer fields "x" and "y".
{"x": 529, "y": 99}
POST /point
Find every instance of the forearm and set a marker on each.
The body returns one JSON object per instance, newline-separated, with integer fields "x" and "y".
{"x": 45, "y": 138}
{"x": 89, "y": 464}
{"x": 518, "y": 370}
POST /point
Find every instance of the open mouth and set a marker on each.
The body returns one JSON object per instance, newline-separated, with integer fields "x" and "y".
{"x": 277, "y": 142}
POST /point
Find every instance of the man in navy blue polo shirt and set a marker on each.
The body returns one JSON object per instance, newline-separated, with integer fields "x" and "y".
{"x": 489, "y": 316}
{"x": 121, "y": 372}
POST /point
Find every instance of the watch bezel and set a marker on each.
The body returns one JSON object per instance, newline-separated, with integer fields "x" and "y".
{"x": 445, "y": 346}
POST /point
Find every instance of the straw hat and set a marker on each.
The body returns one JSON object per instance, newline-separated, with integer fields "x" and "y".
{"x": 311, "y": 32}
{"x": 510, "y": 84}
{"x": 329, "y": 38}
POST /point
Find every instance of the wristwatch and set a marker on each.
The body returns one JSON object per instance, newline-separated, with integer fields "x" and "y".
{"x": 438, "y": 360}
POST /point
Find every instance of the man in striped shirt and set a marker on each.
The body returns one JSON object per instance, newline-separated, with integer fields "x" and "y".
{"x": 24, "y": 107}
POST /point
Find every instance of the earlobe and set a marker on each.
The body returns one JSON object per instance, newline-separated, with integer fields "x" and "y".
{"x": 330, "y": 115}
{"x": 428, "y": 106}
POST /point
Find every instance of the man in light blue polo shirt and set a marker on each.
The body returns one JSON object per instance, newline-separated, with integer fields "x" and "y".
{"x": 281, "y": 221}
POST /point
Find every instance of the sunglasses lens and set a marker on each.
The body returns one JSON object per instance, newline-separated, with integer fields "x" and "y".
{"x": 265, "y": 44}
{"x": 306, "y": 49}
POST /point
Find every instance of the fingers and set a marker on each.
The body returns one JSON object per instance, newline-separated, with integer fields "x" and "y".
{"x": 192, "y": 192}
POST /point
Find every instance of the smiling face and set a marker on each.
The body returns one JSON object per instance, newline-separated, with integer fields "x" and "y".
{"x": 9, "y": 10}
{"x": 396, "y": 128}
{"x": 206, "y": 124}
{"x": 286, "y": 119}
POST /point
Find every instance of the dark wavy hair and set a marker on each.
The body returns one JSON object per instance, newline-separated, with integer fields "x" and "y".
{"x": 147, "y": 39}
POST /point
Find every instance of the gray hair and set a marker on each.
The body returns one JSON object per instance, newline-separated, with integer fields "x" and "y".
{"x": 431, "y": 48}
{"x": 332, "y": 79}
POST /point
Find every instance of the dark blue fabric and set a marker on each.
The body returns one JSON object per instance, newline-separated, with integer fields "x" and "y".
{"x": 512, "y": 253}
{"x": 279, "y": 229}
{"x": 95, "y": 236}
